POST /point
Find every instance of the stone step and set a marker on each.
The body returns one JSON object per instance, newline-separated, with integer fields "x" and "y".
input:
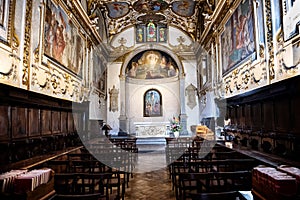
{"x": 151, "y": 140}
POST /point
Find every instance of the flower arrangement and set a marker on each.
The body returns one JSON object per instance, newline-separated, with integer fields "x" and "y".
{"x": 175, "y": 124}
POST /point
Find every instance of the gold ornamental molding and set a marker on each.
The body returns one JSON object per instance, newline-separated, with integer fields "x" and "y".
{"x": 270, "y": 39}
{"x": 26, "y": 56}
{"x": 53, "y": 81}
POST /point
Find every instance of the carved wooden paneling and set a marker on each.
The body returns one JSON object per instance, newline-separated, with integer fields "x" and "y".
{"x": 233, "y": 116}
{"x": 77, "y": 121}
{"x": 70, "y": 122}
{"x": 4, "y": 122}
{"x": 268, "y": 116}
{"x": 46, "y": 122}
{"x": 240, "y": 116}
{"x": 295, "y": 116}
{"x": 248, "y": 118}
{"x": 64, "y": 122}
{"x": 19, "y": 122}
{"x": 282, "y": 114}
{"x": 33, "y": 122}
{"x": 256, "y": 116}
{"x": 56, "y": 122}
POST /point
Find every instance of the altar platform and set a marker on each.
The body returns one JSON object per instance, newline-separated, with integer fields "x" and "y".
{"x": 150, "y": 140}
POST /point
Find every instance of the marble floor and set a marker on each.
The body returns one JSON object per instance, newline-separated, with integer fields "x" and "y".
{"x": 150, "y": 178}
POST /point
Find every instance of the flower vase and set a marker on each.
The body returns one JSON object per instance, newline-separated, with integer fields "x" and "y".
{"x": 176, "y": 134}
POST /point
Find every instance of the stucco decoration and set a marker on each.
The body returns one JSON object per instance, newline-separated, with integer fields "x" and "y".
{"x": 190, "y": 93}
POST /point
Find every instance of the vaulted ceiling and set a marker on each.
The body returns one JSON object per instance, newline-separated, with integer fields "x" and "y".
{"x": 184, "y": 14}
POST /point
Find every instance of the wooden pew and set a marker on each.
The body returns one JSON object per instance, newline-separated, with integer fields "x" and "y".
{"x": 213, "y": 182}
{"x": 82, "y": 183}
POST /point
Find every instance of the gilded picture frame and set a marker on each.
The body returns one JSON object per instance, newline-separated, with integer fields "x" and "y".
{"x": 62, "y": 40}
{"x": 238, "y": 39}
{"x": 4, "y": 18}
{"x": 152, "y": 103}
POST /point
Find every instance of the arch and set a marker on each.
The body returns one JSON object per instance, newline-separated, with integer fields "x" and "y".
{"x": 151, "y": 64}
{"x": 123, "y": 120}
{"x": 152, "y": 103}
{"x": 153, "y": 47}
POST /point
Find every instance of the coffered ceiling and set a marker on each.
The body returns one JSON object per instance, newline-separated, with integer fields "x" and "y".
{"x": 119, "y": 15}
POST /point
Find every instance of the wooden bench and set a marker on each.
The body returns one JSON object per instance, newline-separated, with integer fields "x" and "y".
{"x": 82, "y": 183}
{"x": 213, "y": 182}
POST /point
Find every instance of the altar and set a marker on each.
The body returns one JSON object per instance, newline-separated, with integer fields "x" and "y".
{"x": 151, "y": 132}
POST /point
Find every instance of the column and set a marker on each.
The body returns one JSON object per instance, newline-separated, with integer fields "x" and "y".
{"x": 183, "y": 116}
{"x": 123, "y": 117}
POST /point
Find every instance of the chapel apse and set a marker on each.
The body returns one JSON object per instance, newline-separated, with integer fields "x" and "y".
{"x": 151, "y": 64}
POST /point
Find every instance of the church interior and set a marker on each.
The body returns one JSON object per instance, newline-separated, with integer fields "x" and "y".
{"x": 147, "y": 100}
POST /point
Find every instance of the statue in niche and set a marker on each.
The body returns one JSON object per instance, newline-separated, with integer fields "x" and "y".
{"x": 190, "y": 92}
{"x": 113, "y": 106}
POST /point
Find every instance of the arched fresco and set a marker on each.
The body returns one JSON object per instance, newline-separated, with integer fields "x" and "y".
{"x": 151, "y": 64}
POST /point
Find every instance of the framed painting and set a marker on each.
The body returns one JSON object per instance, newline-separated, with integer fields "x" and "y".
{"x": 291, "y": 18}
{"x": 162, "y": 34}
{"x": 185, "y": 8}
{"x": 140, "y": 33}
{"x": 4, "y": 16}
{"x": 153, "y": 6}
{"x": 101, "y": 27}
{"x": 117, "y": 9}
{"x": 151, "y": 32}
{"x": 152, "y": 103}
{"x": 237, "y": 40}
{"x": 204, "y": 69}
{"x": 102, "y": 82}
{"x": 96, "y": 72}
{"x": 2, "y": 12}
{"x": 62, "y": 41}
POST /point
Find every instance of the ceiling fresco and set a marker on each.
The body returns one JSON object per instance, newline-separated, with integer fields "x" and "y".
{"x": 183, "y": 14}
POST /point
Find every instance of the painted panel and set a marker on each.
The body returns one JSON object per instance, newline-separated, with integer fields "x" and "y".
{"x": 237, "y": 40}
{"x": 291, "y": 18}
{"x": 162, "y": 34}
{"x": 140, "y": 33}
{"x": 62, "y": 41}
{"x": 117, "y": 9}
{"x": 151, "y": 32}
{"x": 151, "y": 64}
{"x": 152, "y": 104}
{"x": 4, "y": 15}
{"x": 185, "y": 8}
{"x": 150, "y": 6}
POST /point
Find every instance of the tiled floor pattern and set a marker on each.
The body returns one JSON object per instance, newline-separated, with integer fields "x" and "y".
{"x": 154, "y": 185}
{"x": 150, "y": 179}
